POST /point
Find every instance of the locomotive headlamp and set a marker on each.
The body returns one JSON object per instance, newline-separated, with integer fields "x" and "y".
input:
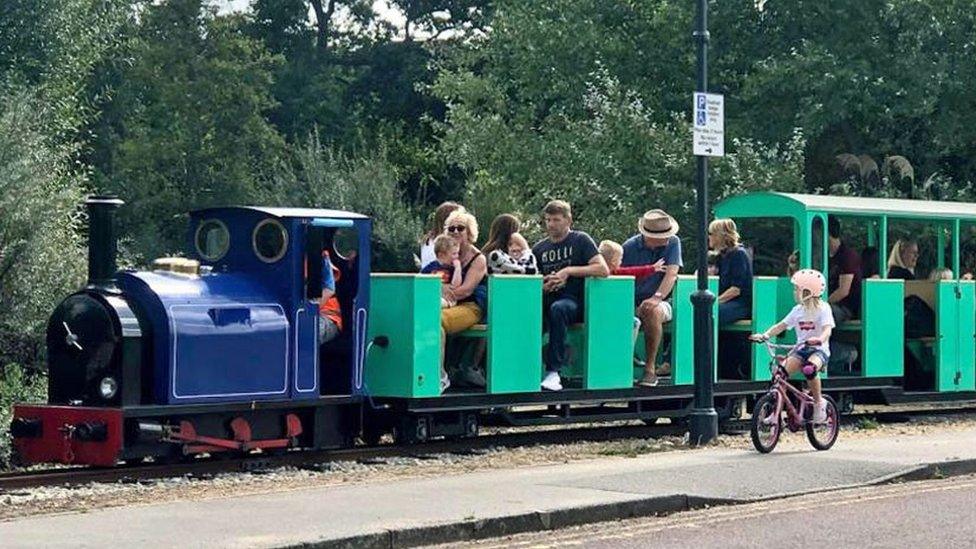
{"x": 108, "y": 387}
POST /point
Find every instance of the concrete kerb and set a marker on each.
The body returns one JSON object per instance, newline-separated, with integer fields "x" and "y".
{"x": 934, "y": 471}
{"x": 536, "y": 521}
{"x": 539, "y": 521}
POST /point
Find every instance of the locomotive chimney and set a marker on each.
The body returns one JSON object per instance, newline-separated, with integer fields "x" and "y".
{"x": 103, "y": 245}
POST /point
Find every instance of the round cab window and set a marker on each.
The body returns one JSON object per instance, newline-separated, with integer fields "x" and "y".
{"x": 345, "y": 242}
{"x": 212, "y": 240}
{"x": 270, "y": 240}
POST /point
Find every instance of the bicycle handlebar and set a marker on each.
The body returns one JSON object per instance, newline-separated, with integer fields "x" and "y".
{"x": 771, "y": 347}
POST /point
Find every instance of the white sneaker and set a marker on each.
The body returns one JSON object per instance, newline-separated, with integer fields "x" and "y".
{"x": 445, "y": 382}
{"x": 552, "y": 382}
{"x": 820, "y": 412}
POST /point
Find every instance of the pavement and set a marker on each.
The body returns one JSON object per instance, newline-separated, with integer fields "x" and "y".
{"x": 484, "y": 504}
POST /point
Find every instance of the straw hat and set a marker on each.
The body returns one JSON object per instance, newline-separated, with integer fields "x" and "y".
{"x": 657, "y": 224}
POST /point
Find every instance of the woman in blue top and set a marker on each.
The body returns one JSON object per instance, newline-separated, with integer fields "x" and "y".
{"x": 734, "y": 272}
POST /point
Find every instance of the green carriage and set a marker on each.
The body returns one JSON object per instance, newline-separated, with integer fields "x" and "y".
{"x": 947, "y": 356}
{"x": 401, "y": 377}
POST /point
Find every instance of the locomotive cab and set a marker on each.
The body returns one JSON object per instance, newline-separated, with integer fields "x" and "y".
{"x": 281, "y": 248}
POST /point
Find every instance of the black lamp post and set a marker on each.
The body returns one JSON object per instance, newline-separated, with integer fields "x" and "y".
{"x": 703, "y": 421}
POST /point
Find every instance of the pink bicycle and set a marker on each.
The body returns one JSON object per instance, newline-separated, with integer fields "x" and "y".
{"x": 767, "y": 415}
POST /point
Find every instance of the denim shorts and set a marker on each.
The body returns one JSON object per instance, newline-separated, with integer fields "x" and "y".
{"x": 804, "y": 353}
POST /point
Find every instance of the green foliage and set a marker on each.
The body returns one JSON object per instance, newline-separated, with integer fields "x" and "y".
{"x": 874, "y": 77}
{"x": 366, "y": 183}
{"x": 190, "y": 127}
{"x": 52, "y": 46}
{"x": 41, "y": 253}
{"x": 599, "y": 143}
{"x": 867, "y": 424}
{"x": 16, "y": 385}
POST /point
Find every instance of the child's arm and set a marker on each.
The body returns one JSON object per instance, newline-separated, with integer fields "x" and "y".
{"x": 772, "y": 332}
{"x": 456, "y": 277}
{"x": 640, "y": 271}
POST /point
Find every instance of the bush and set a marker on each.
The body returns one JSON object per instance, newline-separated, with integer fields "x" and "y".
{"x": 17, "y": 384}
{"x": 41, "y": 251}
{"x": 607, "y": 156}
{"x": 365, "y": 183}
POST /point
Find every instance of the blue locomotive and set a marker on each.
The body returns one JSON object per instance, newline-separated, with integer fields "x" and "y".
{"x": 215, "y": 353}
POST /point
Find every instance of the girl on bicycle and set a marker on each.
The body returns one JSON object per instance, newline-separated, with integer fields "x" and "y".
{"x": 813, "y": 321}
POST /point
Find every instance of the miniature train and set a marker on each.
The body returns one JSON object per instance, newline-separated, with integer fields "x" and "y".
{"x": 220, "y": 353}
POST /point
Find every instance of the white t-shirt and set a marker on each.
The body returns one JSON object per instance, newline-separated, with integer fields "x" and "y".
{"x": 810, "y": 324}
{"x": 427, "y": 252}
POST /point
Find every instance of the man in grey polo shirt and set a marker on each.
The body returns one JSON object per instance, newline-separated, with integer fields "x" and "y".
{"x": 656, "y": 239}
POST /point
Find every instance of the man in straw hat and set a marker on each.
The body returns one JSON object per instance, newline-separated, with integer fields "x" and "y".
{"x": 656, "y": 240}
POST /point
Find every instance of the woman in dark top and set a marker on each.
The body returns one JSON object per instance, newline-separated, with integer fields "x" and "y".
{"x": 734, "y": 272}
{"x": 903, "y": 259}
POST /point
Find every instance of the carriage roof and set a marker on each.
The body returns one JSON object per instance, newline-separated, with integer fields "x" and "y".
{"x": 774, "y": 204}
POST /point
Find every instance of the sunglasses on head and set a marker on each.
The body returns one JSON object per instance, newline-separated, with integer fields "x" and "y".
{"x": 456, "y": 229}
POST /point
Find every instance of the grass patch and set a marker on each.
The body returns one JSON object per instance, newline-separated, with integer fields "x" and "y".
{"x": 867, "y": 424}
{"x": 633, "y": 448}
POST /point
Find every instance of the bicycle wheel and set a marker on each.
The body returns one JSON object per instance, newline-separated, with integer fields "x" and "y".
{"x": 766, "y": 427}
{"x": 823, "y": 435}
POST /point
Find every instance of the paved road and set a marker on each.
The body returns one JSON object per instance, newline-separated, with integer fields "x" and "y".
{"x": 919, "y": 514}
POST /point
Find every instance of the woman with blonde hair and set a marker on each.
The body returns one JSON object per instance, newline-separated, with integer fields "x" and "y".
{"x": 903, "y": 259}
{"x": 734, "y": 272}
{"x": 435, "y": 229}
{"x": 471, "y": 296}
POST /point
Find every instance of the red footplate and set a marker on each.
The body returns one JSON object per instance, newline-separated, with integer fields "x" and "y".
{"x": 67, "y": 434}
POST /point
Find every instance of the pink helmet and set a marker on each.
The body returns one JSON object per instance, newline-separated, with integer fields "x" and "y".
{"x": 810, "y": 281}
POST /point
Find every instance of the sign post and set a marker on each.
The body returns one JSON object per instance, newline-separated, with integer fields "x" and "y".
{"x": 708, "y": 141}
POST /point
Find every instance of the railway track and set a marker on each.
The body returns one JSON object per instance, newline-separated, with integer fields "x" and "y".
{"x": 210, "y": 466}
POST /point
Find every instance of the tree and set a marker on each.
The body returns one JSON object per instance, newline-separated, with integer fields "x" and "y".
{"x": 603, "y": 127}
{"x": 51, "y": 48}
{"x": 875, "y": 77}
{"x": 364, "y": 181}
{"x": 191, "y": 127}
{"x": 41, "y": 252}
